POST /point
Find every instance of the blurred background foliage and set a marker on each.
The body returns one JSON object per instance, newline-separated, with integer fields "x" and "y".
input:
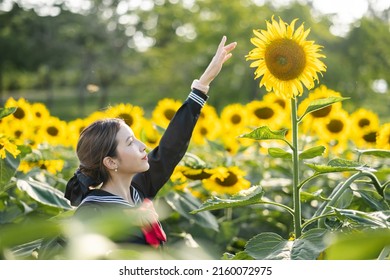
{"x": 80, "y": 59}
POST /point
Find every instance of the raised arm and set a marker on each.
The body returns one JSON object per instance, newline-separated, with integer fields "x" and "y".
{"x": 174, "y": 143}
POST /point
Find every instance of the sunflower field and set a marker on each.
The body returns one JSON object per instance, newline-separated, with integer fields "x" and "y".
{"x": 291, "y": 176}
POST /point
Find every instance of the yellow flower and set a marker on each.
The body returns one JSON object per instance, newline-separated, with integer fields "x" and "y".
{"x": 234, "y": 116}
{"x": 383, "y": 139}
{"x": 149, "y": 134}
{"x": 226, "y": 180}
{"x": 204, "y": 130}
{"x": 17, "y": 130}
{"x": 365, "y": 139}
{"x": 75, "y": 127}
{"x": 52, "y": 166}
{"x": 262, "y": 113}
{"x": 333, "y": 132}
{"x": 6, "y": 145}
{"x": 39, "y": 111}
{"x": 132, "y": 115}
{"x": 364, "y": 128}
{"x": 336, "y": 126}
{"x": 53, "y": 131}
{"x": 309, "y": 123}
{"x": 208, "y": 113}
{"x": 364, "y": 119}
{"x": 164, "y": 111}
{"x": 285, "y": 59}
{"x": 182, "y": 173}
{"x": 232, "y": 143}
{"x": 23, "y": 111}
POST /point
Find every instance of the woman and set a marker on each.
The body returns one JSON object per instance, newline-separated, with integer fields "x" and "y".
{"x": 115, "y": 171}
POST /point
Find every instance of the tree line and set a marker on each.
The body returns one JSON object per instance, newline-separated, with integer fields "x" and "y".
{"x": 157, "y": 48}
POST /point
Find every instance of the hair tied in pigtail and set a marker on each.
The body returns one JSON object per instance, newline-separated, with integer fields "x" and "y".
{"x": 78, "y": 187}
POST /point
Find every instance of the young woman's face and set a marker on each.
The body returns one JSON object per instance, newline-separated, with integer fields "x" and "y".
{"x": 131, "y": 152}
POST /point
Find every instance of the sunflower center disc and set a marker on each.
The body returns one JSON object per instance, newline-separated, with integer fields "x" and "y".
{"x": 285, "y": 59}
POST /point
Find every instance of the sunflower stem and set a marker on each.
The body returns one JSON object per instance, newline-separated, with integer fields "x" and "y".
{"x": 295, "y": 159}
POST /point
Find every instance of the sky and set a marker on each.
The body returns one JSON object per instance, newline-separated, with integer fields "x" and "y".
{"x": 342, "y": 12}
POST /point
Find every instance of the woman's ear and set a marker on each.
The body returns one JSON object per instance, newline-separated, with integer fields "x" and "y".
{"x": 110, "y": 163}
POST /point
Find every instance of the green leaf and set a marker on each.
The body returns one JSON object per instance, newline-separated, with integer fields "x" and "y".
{"x": 243, "y": 198}
{"x": 44, "y": 193}
{"x": 379, "y": 219}
{"x": 375, "y": 152}
{"x": 310, "y": 245}
{"x": 312, "y": 152}
{"x": 264, "y": 133}
{"x": 358, "y": 245}
{"x": 373, "y": 199}
{"x": 239, "y": 256}
{"x": 322, "y": 103}
{"x": 32, "y": 229}
{"x": 279, "y": 153}
{"x": 271, "y": 246}
{"x": 338, "y": 165}
{"x": 306, "y": 196}
{"x": 184, "y": 203}
{"x": 7, "y": 111}
{"x": 8, "y": 167}
{"x": 268, "y": 246}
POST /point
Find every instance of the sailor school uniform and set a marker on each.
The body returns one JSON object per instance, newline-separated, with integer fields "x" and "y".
{"x": 162, "y": 161}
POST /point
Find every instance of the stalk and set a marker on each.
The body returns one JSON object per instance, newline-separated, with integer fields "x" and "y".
{"x": 295, "y": 159}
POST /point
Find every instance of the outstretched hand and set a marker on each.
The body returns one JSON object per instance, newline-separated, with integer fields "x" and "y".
{"x": 222, "y": 54}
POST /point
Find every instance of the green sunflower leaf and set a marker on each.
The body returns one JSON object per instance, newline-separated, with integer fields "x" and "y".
{"x": 378, "y": 219}
{"x": 312, "y": 152}
{"x": 7, "y": 111}
{"x": 8, "y": 167}
{"x": 44, "y": 193}
{"x": 243, "y": 198}
{"x": 183, "y": 203}
{"x": 265, "y": 133}
{"x": 322, "y": 103}
{"x": 359, "y": 245}
{"x": 375, "y": 152}
{"x": 279, "y": 153}
{"x": 338, "y": 165}
{"x": 271, "y": 246}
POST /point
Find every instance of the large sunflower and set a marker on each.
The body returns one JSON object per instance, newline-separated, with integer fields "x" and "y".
{"x": 285, "y": 59}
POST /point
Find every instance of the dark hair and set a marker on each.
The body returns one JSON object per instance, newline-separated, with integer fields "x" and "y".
{"x": 97, "y": 141}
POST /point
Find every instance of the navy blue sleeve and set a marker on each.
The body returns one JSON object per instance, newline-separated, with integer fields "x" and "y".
{"x": 172, "y": 147}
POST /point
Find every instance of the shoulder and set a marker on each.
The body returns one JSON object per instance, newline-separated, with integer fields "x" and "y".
{"x": 93, "y": 204}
